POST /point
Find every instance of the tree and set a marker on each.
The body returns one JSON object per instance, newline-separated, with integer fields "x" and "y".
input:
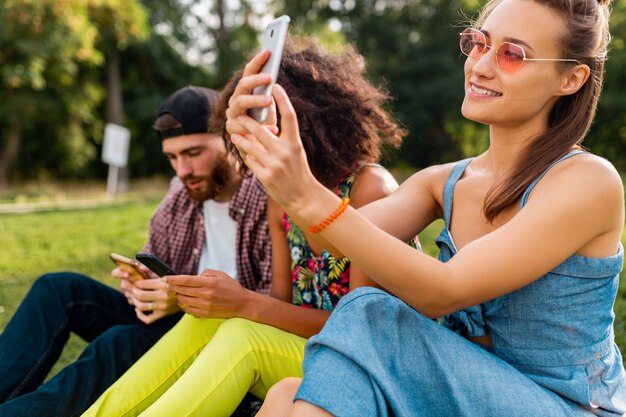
{"x": 51, "y": 54}
{"x": 146, "y": 48}
{"x": 229, "y": 34}
{"x": 153, "y": 69}
{"x": 119, "y": 23}
{"x": 608, "y": 133}
{"x": 41, "y": 49}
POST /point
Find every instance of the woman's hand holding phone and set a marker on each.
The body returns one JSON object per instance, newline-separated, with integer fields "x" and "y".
{"x": 243, "y": 99}
{"x": 259, "y": 77}
{"x": 279, "y": 162}
{"x": 212, "y": 294}
{"x": 273, "y": 41}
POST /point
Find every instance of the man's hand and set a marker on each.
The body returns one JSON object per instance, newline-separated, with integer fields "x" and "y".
{"x": 127, "y": 277}
{"x": 151, "y": 297}
{"x": 153, "y": 300}
{"x": 212, "y": 294}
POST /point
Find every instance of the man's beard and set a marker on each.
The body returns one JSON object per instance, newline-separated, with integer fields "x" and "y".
{"x": 213, "y": 185}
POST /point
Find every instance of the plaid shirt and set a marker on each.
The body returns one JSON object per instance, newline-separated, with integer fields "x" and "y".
{"x": 177, "y": 233}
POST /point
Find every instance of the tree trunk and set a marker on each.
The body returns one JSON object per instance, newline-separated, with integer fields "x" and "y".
{"x": 115, "y": 105}
{"x": 219, "y": 11}
{"x": 7, "y": 158}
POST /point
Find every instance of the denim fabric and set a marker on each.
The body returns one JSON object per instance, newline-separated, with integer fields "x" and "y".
{"x": 559, "y": 329}
{"x": 56, "y": 305}
{"x": 390, "y": 360}
{"x": 554, "y": 352}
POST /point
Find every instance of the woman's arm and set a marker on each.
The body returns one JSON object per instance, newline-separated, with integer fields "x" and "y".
{"x": 370, "y": 184}
{"x": 282, "y": 287}
{"x": 571, "y": 210}
{"x": 403, "y": 211}
{"x": 576, "y": 203}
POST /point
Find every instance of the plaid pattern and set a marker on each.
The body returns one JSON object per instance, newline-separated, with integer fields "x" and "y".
{"x": 177, "y": 233}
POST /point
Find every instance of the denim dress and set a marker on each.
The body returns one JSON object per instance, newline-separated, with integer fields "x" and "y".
{"x": 553, "y": 348}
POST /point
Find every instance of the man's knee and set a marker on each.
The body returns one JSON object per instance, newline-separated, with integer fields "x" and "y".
{"x": 120, "y": 343}
{"x": 118, "y": 334}
{"x": 59, "y": 282}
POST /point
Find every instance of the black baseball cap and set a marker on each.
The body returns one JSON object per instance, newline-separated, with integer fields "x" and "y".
{"x": 191, "y": 106}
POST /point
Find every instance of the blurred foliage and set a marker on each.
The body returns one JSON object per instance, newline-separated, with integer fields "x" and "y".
{"x": 52, "y": 72}
{"x": 608, "y": 134}
{"x": 46, "y": 50}
{"x": 119, "y": 22}
{"x": 50, "y": 81}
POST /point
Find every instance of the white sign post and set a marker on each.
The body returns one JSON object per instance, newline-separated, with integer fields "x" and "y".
{"x": 115, "y": 153}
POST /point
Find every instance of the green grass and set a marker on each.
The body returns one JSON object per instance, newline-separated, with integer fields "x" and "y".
{"x": 80, "y": 240}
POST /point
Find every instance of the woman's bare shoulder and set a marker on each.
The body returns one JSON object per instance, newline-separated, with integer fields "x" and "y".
{"x": 585, "y": 172}
{"x": 372, "y": 182}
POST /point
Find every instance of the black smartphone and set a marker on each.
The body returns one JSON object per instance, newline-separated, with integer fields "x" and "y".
{"x": 155, "y": 264}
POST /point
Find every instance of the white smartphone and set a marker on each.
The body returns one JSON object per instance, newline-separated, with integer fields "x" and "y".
{"x": 274, "y": 40}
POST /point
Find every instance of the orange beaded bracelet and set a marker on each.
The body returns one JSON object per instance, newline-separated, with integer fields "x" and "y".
{"x": 345, "y": 202}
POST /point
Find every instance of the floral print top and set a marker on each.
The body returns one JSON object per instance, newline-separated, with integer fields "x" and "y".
{"x": 318, "y": 281}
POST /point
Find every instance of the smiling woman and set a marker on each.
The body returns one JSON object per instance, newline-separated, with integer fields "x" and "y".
{"x": 530, "y": 252}
{"x": 556, "y": 106}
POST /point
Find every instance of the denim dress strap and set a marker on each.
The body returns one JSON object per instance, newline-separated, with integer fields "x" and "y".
{"x": 448, "y": 190}
{"x": 532, "y": 185}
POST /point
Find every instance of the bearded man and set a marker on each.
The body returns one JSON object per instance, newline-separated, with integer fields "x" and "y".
{"x": 211, "y": 217}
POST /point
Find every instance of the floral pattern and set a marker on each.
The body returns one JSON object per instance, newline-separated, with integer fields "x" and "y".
{"x": 318, "y": 281}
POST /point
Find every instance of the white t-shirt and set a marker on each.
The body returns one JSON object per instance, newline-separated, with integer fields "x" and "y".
{"x": 220, "y": 230}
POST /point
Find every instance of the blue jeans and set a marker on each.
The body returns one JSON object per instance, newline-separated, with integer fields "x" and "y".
{"x": 376, "y": 356}
{"x": 56, "y": 305}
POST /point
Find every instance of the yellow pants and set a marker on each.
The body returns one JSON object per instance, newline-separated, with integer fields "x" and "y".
{"x": 203, "y": 367}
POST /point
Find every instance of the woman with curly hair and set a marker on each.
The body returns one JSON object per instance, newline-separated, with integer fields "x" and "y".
{"x": 233, "y": 340}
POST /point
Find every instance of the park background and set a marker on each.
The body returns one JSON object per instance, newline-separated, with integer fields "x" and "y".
{"x": 68, "y": 67}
